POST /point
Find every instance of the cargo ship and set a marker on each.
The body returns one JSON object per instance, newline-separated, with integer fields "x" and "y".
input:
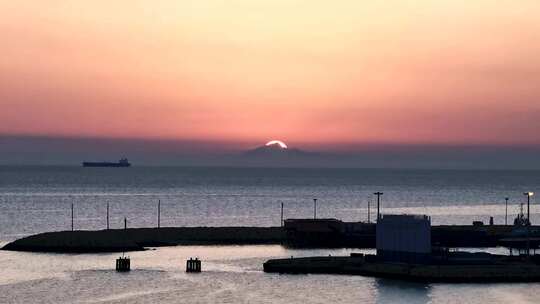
{"x": 121, "y": 163}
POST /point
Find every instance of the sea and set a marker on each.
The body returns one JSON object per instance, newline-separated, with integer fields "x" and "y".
{"x": 36, "y": 199}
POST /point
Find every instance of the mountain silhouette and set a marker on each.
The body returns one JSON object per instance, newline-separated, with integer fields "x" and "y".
{"x": 275, "y": 150}
{"x": 275, "y": 155}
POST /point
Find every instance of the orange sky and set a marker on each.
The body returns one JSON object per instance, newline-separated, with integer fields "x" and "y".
{"x": 450, "y": 72}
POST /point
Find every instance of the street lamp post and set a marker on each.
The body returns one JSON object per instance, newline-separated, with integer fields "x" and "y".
{"x": 159, "y": 213}
{"x": 71, "y": 216}
{"x": 314, "y": 208}
{"x": 368, "y": 210}
{"x": 528, "y": 194}
{"x": 506, "y": 212}
{"x": 281, "y": 214}
{"x": 378, "y": 194}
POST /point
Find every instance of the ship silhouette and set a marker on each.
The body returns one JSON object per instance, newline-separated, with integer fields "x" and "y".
{"x": 121, "y": 163}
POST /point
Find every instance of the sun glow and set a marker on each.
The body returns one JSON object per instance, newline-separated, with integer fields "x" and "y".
{"x": 281, "y": 144}
{"x": 220, "y": 71}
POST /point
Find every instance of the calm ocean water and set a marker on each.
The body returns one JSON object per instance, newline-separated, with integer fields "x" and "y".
{"x": 38, "y": 199}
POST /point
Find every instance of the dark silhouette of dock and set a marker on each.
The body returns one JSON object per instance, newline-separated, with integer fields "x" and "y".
{"x": 133, "y": 239}
{"x": 300, "y": 233}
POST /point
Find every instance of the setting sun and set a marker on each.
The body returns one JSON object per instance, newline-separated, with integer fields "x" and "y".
{"x": 281, "y": 144}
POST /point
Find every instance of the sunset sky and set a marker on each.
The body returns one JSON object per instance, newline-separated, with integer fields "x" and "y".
{"x": 319, "y": 73}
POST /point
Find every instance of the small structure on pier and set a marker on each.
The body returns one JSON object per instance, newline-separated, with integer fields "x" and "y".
{"x": 193, "y": 265}
{"x": 123, "y": 263}
{"x": 404, "y": 238}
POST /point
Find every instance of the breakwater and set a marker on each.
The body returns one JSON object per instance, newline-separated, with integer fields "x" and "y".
{"x": 360, "y": 235}
{"x": 132, "y": 239}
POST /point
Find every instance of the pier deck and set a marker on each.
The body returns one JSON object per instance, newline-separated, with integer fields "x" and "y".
{"x": 494, "y": 269}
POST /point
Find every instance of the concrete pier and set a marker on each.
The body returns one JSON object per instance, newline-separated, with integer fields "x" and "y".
{"x": 335, "y": 233}
{"x": 405, "y": 251}
{"x": 319, "y": 233}
{"x": 463, "y": 267}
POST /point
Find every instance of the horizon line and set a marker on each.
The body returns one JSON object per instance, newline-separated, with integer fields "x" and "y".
{"x": 261, "y": 142}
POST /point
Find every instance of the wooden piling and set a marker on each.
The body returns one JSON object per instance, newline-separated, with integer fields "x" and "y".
{"x": 123, "y": 264}
{"x": 193, "y": 265}
{"x": 107, "y": 216}
{"x": 158, "y": 213}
